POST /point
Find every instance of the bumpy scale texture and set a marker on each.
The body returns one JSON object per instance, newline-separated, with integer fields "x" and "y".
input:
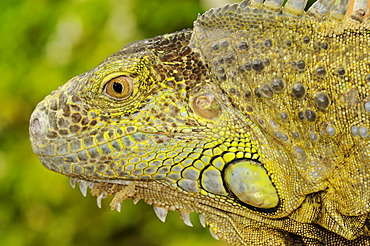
{"x": 257, "y": 119}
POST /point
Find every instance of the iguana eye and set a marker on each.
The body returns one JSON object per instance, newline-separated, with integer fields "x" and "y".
{"x": 118, "y": 88}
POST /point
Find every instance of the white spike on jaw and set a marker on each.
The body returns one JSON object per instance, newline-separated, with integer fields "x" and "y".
{"x": 118, "y": 206}
{"x": 101, "y": 197}
{"x": 135, "y": 200}
{"x": 214, "y": 235}
{"x": 295, "y": 7}
{"x": 83, "y": 188}
{"x": 84, "y": 185}
{"x": 161, "y": 213}
{"x": 185, "y": 217}
{"x": 202, "y": 220}
{"x": 72, "y": 182}
{"x": 320, "y": 8}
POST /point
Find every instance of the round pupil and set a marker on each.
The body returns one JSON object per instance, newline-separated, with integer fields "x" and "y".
{"x": 117, "y": 87}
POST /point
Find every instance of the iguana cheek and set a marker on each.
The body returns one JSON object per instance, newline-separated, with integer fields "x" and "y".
{"x": 250, "y": 183}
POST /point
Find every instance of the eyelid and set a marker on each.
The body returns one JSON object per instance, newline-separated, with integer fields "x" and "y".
{"x": 111, "y": 76}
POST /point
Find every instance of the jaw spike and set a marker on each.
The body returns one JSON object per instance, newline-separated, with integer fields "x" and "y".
{"x": 161, "y": 213}
{"x": 83, "y": 188}
{"x": 185, "y": 217}
{"x": 118, "y": 206}
{"x": 101, "y": 197}
{"x": 202, "y": 220}
{"x": 72, "y": 182}
{"x": 135, "y": 200}
{"x": 214, "y": 235}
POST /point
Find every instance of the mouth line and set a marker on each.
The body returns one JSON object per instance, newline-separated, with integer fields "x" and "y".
{"x": 102, "y": 188}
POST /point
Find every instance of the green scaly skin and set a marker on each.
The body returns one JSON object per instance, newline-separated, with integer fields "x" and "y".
{"x": 255, "y": 119}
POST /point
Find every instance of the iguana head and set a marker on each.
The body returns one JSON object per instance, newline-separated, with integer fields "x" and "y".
{"x": 149, "y": 113}
{"x": 209, "y": 121}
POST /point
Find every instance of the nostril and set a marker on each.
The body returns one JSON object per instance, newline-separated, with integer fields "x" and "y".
{"x": 37, "y": 125}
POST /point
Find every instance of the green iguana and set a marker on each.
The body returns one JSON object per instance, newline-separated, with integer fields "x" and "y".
{"x": 257, "y": 119}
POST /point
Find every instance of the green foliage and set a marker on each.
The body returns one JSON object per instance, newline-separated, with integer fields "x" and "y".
{"x": 166, "y": 16}
{"x": 43, "y": 43}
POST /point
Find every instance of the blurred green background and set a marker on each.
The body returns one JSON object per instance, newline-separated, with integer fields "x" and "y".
{"x": 44, "y": 43}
